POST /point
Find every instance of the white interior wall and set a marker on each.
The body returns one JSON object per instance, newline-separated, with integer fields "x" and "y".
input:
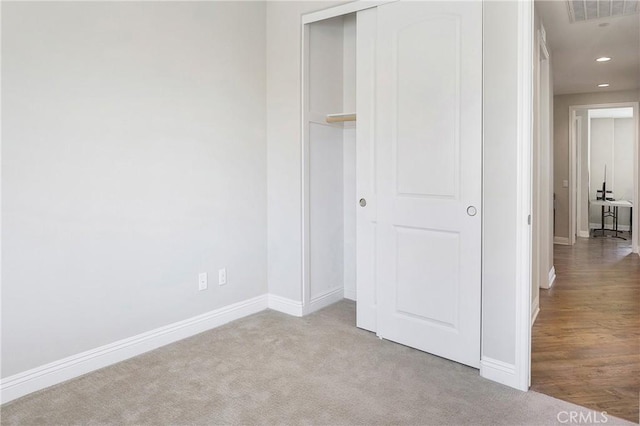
{"x": 623, "y": 134}
{"x": 331, "y": 48}
{"x": 326, "y": 217}
{"x": 536, "y": 218}
{"x": 284, "y": 132}
{"x": 600, "y": 156}
{"x": 326, "y": 187}
{"x": 500, "y": 221}
{"x": 543, "y": 272}
{"x": 235, "y": 112}
{"x": 611, "y": 142}
{"x": 549, "y": 175}
{"x": 133, "y": 158}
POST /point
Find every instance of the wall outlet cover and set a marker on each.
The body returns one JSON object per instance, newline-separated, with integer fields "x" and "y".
{"x": 202, "y": 281}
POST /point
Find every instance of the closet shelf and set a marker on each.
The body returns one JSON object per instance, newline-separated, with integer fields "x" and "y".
{"x": 341, "y": 118}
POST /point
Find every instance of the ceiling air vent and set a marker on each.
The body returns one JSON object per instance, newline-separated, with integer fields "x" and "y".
{"x": 586, "y": 10}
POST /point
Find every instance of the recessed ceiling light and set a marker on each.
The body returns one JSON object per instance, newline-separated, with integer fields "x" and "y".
{"x": 603, "y": 59}
{"x": 603, "y": 85}
{"x": 604, "y": 24}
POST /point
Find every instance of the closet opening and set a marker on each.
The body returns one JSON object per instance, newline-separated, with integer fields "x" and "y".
{"x": 329, "y": 162}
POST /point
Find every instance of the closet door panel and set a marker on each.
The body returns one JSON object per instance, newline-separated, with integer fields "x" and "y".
{"x": 426, "y": 133}
{"x": 365, "y": 170}
{"x": 428, "y": 144}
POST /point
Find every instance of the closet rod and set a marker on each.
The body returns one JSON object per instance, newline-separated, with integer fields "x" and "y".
{"x": 340, "y": 118}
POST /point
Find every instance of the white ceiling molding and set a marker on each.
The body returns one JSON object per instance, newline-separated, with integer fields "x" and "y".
{"x": 586, "y": 10}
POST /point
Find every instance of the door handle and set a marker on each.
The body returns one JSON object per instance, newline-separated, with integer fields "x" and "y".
{"x": 471, "y": 211}
{"x": 362, "y": 202}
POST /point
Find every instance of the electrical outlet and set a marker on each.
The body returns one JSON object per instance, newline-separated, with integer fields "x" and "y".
{"x": 222, "y": 276}
{"x": 202, "y": 281}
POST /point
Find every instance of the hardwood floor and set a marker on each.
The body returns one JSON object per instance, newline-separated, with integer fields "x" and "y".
{"x": 586, "y": 339}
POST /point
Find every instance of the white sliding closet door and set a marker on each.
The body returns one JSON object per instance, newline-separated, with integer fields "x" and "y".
{"x": 428, "y": 158}
{"x": 365, "y": 169}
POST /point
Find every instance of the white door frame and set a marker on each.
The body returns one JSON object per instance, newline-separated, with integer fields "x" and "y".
{"x": 573, "y": 177}
{"x": 343, "y": 9}
{"x": 575, "y": 152}
{"x": 575, "y": 195}
{"x": 524, "y": 177}
{"x": 543, "y": 193}
{"x": 522, "y": 373}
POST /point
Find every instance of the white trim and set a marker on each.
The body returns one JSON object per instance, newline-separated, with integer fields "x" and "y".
{"x": 324, "y": 300}
{"x": 635, "y": 220}
{"x": 500, "y": 372}
{"x": 284, "y": 305}
{"x": 583, "y": 234}
{"x": 300, "y": 309}
{"x": 561, "y": 240}
{"x": 350, "y": 294}
{"x": 343, "y": 9}
{"x": 536, "y": 310}
{"x": 1, "y": 204}
{"x": 73, "y": 366}
{"x": 575, "y": 153}
{"x": 552, "y": 277}
{"x": 305, "y": 260}
{"x": 573, "y": 179}
{"x": 520, "y": 375}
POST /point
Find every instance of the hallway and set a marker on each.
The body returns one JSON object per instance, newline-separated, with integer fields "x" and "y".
{"x": 586, "y": 339}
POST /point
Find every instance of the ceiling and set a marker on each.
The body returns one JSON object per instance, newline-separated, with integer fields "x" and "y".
{"x": 575, "y": 46}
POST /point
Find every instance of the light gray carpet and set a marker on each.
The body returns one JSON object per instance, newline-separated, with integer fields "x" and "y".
{"x": 271, "y": 368}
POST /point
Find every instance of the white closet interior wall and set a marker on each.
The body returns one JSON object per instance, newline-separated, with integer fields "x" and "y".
{"x": 332, "y": 178}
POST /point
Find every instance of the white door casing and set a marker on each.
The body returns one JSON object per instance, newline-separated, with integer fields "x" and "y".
{"x": 428, "y": 150}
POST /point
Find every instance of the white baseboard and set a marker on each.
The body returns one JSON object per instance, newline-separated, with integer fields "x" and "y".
{"x": 535, "y": 310}
{"x": 499, "y": 371}
{"x": 535, "y": 315}
{"x": 561, "y": 240}
{"x": 59, "y": 371}
{"x": 551, "y": 279}
{"x": 286, "y": 306}
{"x": 350, "y": 294}
{"x": 583, "y": 234}
{"x": 324, "y": 300}
{"x": 299, "y": 309}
